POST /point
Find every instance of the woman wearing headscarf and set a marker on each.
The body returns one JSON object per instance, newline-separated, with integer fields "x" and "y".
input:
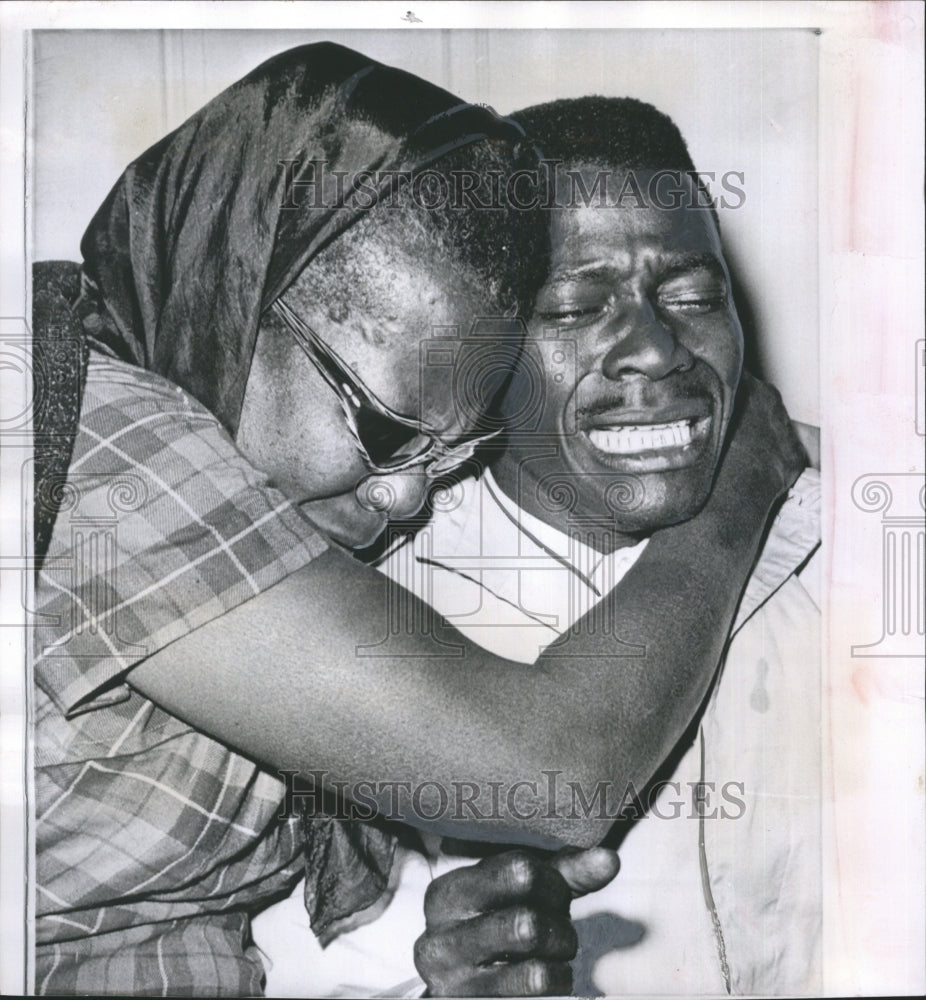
{"x": 154, "y": 840}
{"x": 251, "y": 324}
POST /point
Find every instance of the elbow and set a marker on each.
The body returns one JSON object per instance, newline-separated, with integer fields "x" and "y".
{"x": 570, "y": 806}
{"x": 582, "y": 803}
{"x": 579, "y": 832}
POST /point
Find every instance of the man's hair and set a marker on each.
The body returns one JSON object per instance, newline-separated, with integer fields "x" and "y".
{"x": 620, "y": 132}
{"x": 502, "y": 248}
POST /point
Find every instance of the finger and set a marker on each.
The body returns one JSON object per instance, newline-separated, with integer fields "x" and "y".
{"x": 533, "y": 978}
{"x": 587, "y": 871}
{"x": 500, "y": 935}
{"x": 494, "y": 883}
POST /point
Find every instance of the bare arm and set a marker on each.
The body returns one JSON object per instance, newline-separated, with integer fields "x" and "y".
{"x": 279, "y": 677}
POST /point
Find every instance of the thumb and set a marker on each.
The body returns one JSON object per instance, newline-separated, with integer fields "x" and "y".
{"x": 587, "y": 871}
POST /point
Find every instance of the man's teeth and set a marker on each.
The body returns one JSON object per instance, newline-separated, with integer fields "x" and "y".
{"x": 627, "y": 439}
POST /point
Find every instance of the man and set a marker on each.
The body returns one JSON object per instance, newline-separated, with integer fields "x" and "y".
{"x": 718, "y": 889}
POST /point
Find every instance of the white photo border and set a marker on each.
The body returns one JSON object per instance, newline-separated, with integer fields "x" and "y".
{"x": 870, "y": 177}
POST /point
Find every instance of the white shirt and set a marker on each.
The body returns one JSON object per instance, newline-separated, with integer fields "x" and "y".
{"x": 724, "y": 902}
{"x": 504, "y": 578}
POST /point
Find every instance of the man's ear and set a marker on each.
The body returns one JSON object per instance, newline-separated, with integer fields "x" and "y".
{"x": 809, "y": 436}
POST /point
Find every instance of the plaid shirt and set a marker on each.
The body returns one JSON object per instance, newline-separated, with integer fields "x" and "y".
{"x": 152, "y": 840}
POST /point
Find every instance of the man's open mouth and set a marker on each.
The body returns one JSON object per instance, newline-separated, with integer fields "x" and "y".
{"x": 629, "y": 439}
{"x": 642, "y": 438}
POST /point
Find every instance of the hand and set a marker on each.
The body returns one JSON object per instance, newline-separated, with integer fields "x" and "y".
{"x": 502, "y": 928}
{"x": 762, "y": 459}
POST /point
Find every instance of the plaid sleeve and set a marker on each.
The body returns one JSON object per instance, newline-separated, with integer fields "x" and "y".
{"x": 163, "y": 525}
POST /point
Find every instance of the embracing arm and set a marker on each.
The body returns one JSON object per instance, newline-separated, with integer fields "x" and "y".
{"x": 280, "y": 679}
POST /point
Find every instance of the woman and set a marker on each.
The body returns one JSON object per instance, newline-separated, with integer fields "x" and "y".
{"x": 246, "y": 310}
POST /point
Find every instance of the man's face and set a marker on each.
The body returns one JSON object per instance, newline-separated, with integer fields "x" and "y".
{"x": 293, "y": 425}
{"x": 643, "y": 293}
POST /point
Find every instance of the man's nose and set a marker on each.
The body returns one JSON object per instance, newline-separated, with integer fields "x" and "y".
{"x": 397, "y": 494}
{"x": 640, "y": 342}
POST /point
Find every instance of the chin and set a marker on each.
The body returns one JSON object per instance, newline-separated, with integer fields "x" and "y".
{"x": 663, "y": 503}
{"x": 646, "y": 522}
{"x": 342, "y": 521}
{"x": 356, "y": 536}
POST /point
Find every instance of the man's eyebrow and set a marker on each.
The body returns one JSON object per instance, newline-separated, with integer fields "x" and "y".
{"x": 585, "y": 272}
{"x": 678, "y": 265}
{"x": 672, "y": 265}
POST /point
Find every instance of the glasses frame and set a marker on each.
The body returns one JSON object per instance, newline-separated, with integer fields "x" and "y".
{"x": 437, "y": 457}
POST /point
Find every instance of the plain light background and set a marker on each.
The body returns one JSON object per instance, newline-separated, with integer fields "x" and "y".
{"x": 745, "y": 100}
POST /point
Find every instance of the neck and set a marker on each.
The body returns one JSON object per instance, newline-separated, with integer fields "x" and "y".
{"x": 516, "y": 479}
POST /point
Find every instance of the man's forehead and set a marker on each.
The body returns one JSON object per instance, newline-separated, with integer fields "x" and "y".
{"x": 589, "y": 237}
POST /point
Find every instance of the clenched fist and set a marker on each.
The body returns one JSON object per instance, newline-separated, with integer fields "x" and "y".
{"x": 501, "y": 927}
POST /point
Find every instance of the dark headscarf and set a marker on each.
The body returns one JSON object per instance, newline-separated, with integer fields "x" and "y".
{"x": 194, "y": 241}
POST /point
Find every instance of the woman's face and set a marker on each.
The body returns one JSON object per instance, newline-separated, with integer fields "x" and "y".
{"x": 292, "y": 423}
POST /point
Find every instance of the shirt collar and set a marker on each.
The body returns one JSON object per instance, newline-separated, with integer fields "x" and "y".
{"x": 567, "y": 548}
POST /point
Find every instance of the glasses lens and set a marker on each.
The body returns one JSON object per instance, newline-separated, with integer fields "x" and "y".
{"x": 388, "y": 443}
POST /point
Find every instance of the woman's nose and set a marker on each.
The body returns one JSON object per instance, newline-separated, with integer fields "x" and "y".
{"x": 639, "y": 342}
{"x": 397, "y": 494}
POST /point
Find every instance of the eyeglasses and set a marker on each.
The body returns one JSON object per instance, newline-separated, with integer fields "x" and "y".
{"x": 387, "y": 441}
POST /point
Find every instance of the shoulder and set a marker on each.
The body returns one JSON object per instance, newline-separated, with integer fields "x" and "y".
{"x": 141, "y": 424}
{"x": 169, "y": 524}
{"x": 787, "y": 556}
{"x": 809, "y": 437}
